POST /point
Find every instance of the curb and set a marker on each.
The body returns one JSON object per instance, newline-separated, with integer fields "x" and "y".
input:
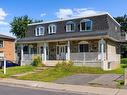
{"x": 63, "y": 87}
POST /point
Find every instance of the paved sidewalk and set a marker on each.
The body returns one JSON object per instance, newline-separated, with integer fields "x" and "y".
{"x": 73, "y": 88}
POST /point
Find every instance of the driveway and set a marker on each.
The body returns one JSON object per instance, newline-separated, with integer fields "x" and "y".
{"x": 104, "y": 80}
{"x": 78, "y": 79}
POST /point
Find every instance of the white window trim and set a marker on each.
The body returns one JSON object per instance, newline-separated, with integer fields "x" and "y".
{"x": 36, "y": 34}
{"x": 70, "y": 22}
{"x": 52, "y": 32}
{"x": 85, "y": 20}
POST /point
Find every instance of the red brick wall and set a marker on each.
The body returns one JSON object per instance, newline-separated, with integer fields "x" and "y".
{"x": 8, "y": 49}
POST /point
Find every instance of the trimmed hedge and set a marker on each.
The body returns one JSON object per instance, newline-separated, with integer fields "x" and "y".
{"x": 124, "y": 61}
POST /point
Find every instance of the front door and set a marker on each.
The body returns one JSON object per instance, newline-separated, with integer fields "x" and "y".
{"x": 61, "y": 52}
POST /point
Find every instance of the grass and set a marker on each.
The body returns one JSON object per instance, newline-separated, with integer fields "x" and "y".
{"x": 47, "y": 75}
{"x": 54, "y": 73}
{"x": 16, "y": 70}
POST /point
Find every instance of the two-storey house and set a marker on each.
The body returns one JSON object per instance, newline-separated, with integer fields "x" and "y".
{"x": 89, "y": 41}
{"x": 7, "y": 48}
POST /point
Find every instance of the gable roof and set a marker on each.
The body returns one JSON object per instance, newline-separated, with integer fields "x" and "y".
{"x": 99, "y": 14}
{"x": 6, "y": 37}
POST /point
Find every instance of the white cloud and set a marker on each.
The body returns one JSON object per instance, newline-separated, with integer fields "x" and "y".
{"x": 3, "y": 14}
{"x": 64, "y": 13}
{"x": 77, "y": 12}
{"x": 3, "y": 23}
{"x": 43, "y": 14}
{"x": 4, "y": 26}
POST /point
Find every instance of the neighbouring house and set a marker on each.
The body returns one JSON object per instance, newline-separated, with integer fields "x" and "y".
{"x": 92, "y": 40}
{"x": 7, "y": 48}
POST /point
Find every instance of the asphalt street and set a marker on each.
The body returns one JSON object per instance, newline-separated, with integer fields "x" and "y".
{"x": 9, "y": 90}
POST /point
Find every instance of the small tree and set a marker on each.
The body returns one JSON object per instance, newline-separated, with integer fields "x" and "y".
{"x": 123, "y": 21}
{"x": 19, "y": 26}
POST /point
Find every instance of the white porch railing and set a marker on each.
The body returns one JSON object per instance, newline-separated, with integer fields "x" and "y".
{"x": 86, "y": 56}
{"x": 31, "y": 56}
{"x": 92, "y": 59}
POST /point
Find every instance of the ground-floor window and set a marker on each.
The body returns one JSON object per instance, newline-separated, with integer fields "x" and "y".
{"x": 84, "y": 48}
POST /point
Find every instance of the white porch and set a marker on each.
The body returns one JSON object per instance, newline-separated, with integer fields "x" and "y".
{"x": 82, "y": 54}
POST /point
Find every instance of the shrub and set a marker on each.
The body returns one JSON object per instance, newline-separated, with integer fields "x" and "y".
{"x": 123, "y": 65}
{"x": 37, "y": 61}
{"x": 124, "y": 61}
{"x": 65, "y": 65}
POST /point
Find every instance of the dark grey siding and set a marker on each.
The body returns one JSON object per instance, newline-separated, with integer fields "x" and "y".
{"x": 113, "y": 32}
{"x": 99, "y": 24}
{"x": 103, "y": 25}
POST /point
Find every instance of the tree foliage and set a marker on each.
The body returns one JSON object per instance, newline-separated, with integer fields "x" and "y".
{"x": 123, "y": 21}
{"x": 19, "y": 26}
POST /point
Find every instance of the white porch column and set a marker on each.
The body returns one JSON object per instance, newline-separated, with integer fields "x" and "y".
{"x": 102, "y": 50}
{"x": 68, "y": 50}
{"x": 102, "y": 47}
{"x": 45, "y": 53}
{"x": 22, "y": 55}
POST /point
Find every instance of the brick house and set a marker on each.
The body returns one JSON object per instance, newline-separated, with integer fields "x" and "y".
{"x": 89, "y": 41}
{"x": 7, "y": 47}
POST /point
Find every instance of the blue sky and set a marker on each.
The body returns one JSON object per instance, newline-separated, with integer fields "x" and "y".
{"x": 55, "y": 9}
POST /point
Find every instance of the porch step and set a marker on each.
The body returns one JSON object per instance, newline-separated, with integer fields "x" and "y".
{"x": 52, "y": 62}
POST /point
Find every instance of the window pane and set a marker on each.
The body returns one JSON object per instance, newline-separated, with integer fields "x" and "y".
{"x": 41, "y": 31}
{"x": 88, "y": 25}
{"x": 82, "y": 25}
{"x": 84, "y": 48}
{"x": 70, "y": 27}
{"x": 54, "y": 29}
{"x": 37, "y": 32}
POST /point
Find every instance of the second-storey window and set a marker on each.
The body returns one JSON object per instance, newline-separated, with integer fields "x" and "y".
{"x": 70, "y": 26}
{"x": 52, "y": 28}
{"x": 85, "y": 25}
{"x": 39, "y": 31}
{"x": 1, "y": 43}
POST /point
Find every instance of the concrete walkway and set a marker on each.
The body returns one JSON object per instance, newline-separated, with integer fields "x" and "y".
{"x": 73, "y": 88}
{"x": 38, "y": 69}
{"x": 106, "y": 80}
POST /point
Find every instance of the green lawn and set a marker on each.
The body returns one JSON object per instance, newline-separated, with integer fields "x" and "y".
{"x": 54, "y": 73}
{"x": 16, "y": 70}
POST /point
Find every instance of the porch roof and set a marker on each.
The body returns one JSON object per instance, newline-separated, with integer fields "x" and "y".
{"x": 66, "y": 36}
